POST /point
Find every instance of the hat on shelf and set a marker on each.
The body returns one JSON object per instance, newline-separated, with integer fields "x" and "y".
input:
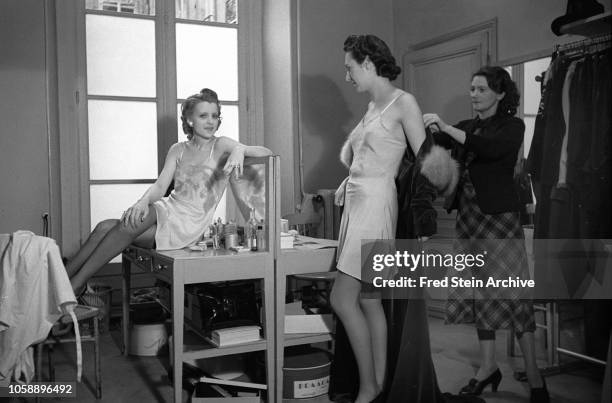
{"x": 576, "y": 10}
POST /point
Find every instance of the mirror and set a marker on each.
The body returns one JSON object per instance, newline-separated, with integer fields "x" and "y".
{"x": 249, "y": 190}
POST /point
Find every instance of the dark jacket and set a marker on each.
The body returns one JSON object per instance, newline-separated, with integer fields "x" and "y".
{"x": 494, "y": 150}
{"x": 415, "y": 195}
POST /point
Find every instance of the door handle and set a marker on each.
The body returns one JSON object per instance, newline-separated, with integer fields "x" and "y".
{"x": 45, "y": 220}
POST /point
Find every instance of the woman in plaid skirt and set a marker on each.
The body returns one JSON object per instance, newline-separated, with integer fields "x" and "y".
{"x": 488, "y": 207}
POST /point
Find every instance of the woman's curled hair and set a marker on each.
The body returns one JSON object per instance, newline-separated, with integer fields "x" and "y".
{"x": 362, "y": 46}
{"x": 206, "y": 95}
{"x": 499, "y": 80}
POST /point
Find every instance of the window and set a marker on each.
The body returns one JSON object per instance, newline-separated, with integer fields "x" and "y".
{"x": 528, "y": 76}
{"x": 132, "y": 48}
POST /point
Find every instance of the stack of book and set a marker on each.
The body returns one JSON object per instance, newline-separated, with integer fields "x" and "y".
{"x": 234, "y": 335}
{"x": 297, "y": 321}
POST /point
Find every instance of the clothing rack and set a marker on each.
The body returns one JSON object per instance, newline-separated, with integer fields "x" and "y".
{"x": 601, "y": 40}
{"x": 552, "y": 324}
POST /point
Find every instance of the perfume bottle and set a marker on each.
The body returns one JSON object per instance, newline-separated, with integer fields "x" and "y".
{"x": 261, "y": 235}
{"x": 250, "y": 232}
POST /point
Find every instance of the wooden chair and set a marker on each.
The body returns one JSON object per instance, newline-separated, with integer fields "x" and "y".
{"x": 82, "y": 313}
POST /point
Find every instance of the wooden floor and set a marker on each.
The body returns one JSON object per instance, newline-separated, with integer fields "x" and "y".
{"x": 454, "y": 350}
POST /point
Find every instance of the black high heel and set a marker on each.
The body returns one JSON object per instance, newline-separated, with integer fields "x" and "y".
{"x": 475, "y": 387}
{"x": 540, "y": 395}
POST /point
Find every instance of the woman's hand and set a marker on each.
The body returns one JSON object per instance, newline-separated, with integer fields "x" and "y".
{"x": 430, "y": 119}
{"x": 135, "y": 214}
{"x": 235, "y": 161}
{"x": 423, "y": 238}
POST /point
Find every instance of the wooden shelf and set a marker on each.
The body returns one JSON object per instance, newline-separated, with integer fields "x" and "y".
{"x": 596, "y": 25}
{"x": 196, "y": 347}
{"x": 295, "y": 339}
{"x": 206, "y": 350}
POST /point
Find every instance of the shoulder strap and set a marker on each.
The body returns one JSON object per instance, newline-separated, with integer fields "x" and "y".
{"x": 212, "y": 149}
{"x": 391, "y": 103}
{"x": 183, "y": 145}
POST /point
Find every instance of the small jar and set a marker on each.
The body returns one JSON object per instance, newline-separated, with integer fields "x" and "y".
{"x": 231, "y": 235}
{"x": 231, "y": 240}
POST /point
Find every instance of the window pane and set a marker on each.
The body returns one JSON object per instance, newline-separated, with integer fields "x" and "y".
{"x": 208, "y": 10}
{"x": 531, "y": 92}
{"x": 207, "y": 57}
{"x": 529, "y": 127}
{"x": 122, "y": 140}
{"x": 120, "y": 56}
{"x": 229, "y": 127}
{"x": 110, "y": 201}
{"x": 143, "y": 7}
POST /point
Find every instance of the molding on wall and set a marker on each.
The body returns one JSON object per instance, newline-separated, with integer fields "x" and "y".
{"x": 527, "y": 57}
{"x": 488, "y": 27}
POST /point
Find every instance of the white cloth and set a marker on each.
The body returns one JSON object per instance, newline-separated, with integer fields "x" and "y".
{"x": 34, "y": 292}
{"x": 184, "y": 216}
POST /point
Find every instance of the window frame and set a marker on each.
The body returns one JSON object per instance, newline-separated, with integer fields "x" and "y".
{"x": 518, "y": 75}
{"x": 73, "y": 99}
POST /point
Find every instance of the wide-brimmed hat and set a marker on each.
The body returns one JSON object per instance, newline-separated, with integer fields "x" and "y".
{"x": 576, "y": 10}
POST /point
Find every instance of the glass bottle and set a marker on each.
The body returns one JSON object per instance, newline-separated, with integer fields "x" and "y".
{"x": 261, "y": 235}
{"x": 250, "y": 232}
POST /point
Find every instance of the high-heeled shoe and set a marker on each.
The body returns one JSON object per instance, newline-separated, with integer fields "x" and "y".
{"x": 475, "y": 387}
{"x": 540, "y": 395}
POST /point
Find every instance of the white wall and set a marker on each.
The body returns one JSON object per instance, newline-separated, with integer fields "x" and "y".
{"x": 279, "y": 85}
{"x": 26, "y": 133}
{"x": 523, "y": 25}
{"x": 329, "y": 107}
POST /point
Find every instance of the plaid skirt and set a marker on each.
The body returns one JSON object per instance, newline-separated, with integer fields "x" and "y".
{"x": 506, "y": 257}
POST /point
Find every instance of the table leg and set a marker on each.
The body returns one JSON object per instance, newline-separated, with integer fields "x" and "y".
{"x": 178, "y": 314}
{"x": 270, "y": 334}
{"x": 281, "y": 287}
{"x": 125, "y": 324}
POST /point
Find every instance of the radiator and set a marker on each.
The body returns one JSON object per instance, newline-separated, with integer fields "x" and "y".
{"x": 322, "y": 204}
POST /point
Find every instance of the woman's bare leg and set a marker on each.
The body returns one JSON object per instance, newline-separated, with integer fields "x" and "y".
{"x": 345, "y": 301}
{"x": 115, "y": 240}
{"x": 488, "y": 364}
{"x": 377, "y": 323}
{"x": 96, "y": 236}
{"x": 527, "y": 343}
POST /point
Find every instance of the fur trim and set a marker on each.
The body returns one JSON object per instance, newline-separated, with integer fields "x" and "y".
{"x": 346, "y": 154}
{"x": 441, "y": 170}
